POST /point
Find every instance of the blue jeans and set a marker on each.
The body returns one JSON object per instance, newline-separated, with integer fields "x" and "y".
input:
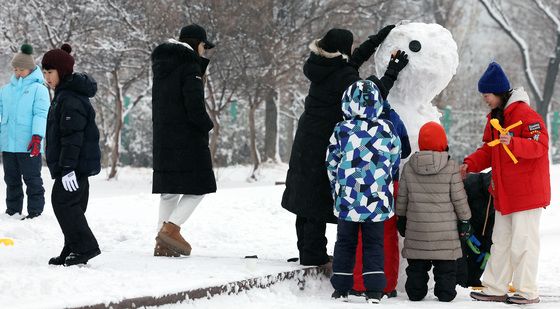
{"x": 17, "y": 165}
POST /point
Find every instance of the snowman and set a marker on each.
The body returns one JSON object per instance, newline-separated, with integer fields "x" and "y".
{"x": 433, "y": 62}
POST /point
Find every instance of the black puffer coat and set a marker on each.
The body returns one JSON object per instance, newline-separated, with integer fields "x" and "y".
{"x": 182, "y": 160}
{"x": 72, "y": 139}
{"x": 308, "y": 191}
{"x": 482, "y": 222}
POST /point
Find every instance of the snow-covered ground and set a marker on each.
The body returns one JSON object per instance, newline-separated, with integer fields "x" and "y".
{"x": 240, "y": 219}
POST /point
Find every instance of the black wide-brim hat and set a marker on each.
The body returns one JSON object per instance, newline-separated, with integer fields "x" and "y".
{"x": 194, "y": 31}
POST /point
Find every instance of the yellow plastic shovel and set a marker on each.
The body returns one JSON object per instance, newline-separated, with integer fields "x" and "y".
{"x": 496, "y": 124}
{"x": 6, "y": 241}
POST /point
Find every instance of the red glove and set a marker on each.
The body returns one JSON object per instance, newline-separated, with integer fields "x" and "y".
{"x": 35, "y": 146}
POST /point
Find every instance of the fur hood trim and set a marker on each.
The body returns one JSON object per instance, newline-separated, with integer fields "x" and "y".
{"x": 314, "y": 47}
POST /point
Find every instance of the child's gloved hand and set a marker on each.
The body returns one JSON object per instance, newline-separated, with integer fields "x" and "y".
{"x": 474, "y": 244}
{"x": 464, "y": 228}
{"x": 378, "y": 38}
{"x": 401, "y": 225}
{"x": 483, "y": 259}
{"x": 34, "y": 146}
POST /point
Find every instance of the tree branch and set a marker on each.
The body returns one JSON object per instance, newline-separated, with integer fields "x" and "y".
{"x": 520, "y": 42}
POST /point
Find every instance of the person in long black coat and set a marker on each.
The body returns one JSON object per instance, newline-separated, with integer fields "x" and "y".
{"x": 331, "y": 70}
{"x": 72, "y": 153}
{"x": 181, "y": 157}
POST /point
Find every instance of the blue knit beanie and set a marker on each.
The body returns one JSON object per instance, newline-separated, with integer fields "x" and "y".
{"x": 494, "y": 80}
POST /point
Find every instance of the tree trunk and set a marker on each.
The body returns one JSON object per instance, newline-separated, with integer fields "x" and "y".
{"x": 290, "y": 128}
{"x": 215, "y": 136}
{"x": 271, "y": 128}
{"x": 118, "y": 126}
{"x": 550, "y": 80}
{"x": 214, "y": 113}
{"x": 255, "y": 157}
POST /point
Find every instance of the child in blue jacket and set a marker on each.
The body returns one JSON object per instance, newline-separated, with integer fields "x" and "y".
{"x": 362, "y": 159}
{"x": 24, "y": 104}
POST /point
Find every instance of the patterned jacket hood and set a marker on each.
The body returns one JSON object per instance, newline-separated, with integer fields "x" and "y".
{"x": 362, "y": 157}
{"x": 362, "y": 100}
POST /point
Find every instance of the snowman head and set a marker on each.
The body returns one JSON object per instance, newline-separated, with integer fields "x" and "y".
{"x": 433, "y": 61}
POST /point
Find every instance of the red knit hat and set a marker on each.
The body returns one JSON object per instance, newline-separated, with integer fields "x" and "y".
{"x": 432, "y": 137}
{"x": 59, "y": 59}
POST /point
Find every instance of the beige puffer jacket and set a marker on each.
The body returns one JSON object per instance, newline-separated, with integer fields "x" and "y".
{"x": 433, "y": 198}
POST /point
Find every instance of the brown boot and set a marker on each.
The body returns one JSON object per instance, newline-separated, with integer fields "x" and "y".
{"x": 162, "y": 250}
{"x": 170, "y": 236}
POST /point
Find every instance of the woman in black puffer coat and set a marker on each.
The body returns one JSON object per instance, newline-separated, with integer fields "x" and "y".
{"x": 308, "y": 193}
{"x": 182, "y": 162}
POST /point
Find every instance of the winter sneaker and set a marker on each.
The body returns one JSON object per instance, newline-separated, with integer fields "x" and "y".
{"x": 357, "y": 293}
{"x": 162, "y": 250}
{"x": 520, "y": 300}
{"x": 373, "y": 297}
{"x": 31, "y": 216}
{"x": 170, "y": 236}
{"x": 391, "y": 294}
{"x": 339, "y": 295}
{"x": 481, "y": 296}
{"x": 81, "y": 258}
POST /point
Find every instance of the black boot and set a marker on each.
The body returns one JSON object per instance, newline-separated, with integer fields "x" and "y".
{"x": 12, "y": 212}
{"x": 31, "y": 216}
{"x": 373, "y": 297}
{"x": 339, "y": 295}
{"x": 59, "y": 260}
{"x": 81, "y": 258}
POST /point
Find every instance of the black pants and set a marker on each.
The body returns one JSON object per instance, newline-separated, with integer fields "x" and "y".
{"x": 444, "y": 275}
{"x": 17, "y": 165}
{"x": 311, "y": 243}
{"x": 69, "y": 209}
{"x": 345, "y": 255}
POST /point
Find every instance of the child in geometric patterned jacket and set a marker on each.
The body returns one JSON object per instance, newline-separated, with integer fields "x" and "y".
{"x": 362, "y": 159}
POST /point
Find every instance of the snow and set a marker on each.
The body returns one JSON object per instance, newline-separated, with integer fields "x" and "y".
{"x": 428, "y": 72}
{"x": 240, "y": 219}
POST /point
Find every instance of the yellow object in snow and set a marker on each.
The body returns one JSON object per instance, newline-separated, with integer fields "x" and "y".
{"x": 479, "y": 288}
{"x": 496, "y": 124}
{"x": 6, "y": 241}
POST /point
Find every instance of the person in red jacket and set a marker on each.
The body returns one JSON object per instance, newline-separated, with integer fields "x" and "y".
{"x": 520, "y": 190}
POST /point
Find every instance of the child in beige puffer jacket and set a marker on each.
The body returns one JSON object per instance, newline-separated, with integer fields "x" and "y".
{"x": 433, "y": 212}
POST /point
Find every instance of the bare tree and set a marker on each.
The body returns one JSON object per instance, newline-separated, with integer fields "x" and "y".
{"x": 542, "y": 94}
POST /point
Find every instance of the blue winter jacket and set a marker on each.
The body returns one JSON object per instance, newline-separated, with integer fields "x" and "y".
{"x": 24, "y": 105}
{"x": 391, "y": 115}
{"x": 362, "y": 157}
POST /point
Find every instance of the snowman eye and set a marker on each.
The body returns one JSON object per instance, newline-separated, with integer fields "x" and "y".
{"x": 415, "y": 46}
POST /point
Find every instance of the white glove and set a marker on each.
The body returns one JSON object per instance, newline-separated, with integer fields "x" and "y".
{"x": 69, "y": 182}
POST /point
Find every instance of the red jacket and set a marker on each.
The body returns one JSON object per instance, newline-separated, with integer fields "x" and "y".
{"x": 521, "y": 186}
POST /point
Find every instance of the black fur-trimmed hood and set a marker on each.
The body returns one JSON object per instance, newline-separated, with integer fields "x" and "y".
{"x": 322, "y": 64}
{"x": 170, "y": 55}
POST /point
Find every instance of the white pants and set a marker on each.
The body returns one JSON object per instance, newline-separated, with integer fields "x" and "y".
{"x": 514, "y": 255}
{"x": 177, "y": 208}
